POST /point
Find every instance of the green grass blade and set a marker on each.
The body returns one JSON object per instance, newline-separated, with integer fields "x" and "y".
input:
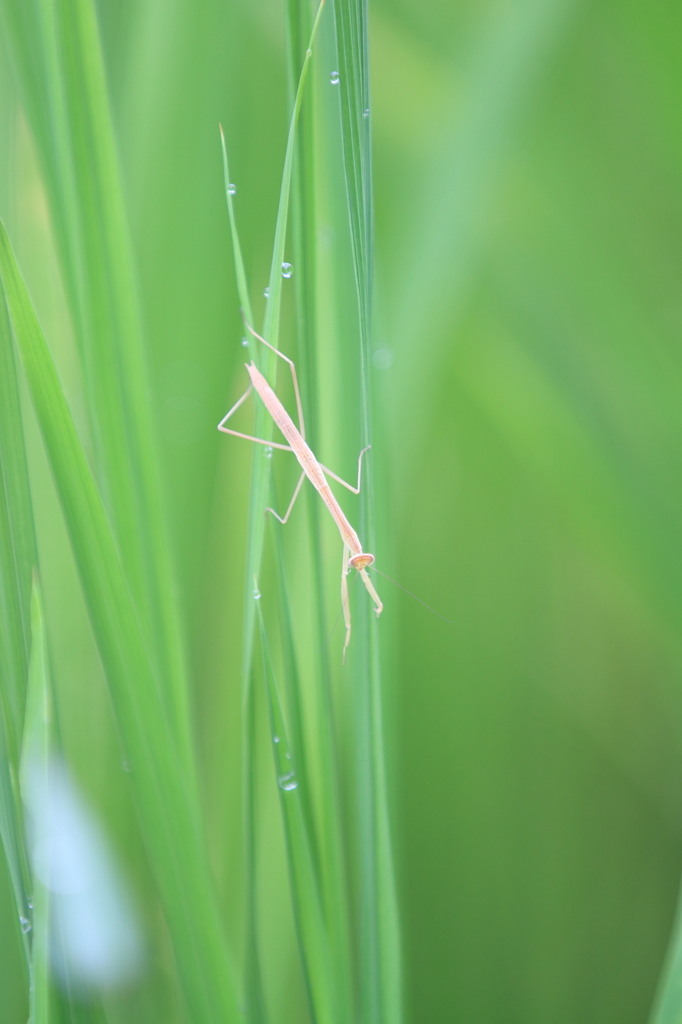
{"x": 17, "y": 560}
{"x": 667, "y": 1008}
{"x": 260, "y": 478}
{"x": 253, "y": 983}
{"x": 12, "y": 836}
{"x": 267, "y": 359}
{"x": 500, "y": 81}
{"x": 293, "y": 700}
{"x": 351, "y": 36}
{"x": 166, "y": 799}
{"x": 127, "y": 435}
{"x": 379, "y": 920}
{"x": 30, "y": 29}
{"x": 330, "y": 833}
{"x": 240, "y": 271}
{"x": 305, "y": 239}
{"x": 312, "y": 933}
{"x": 327, "y": 874}
{"x": 67, "y": 102}
{"x": 34, "y": 764}
{"x": 17, "y": 546}
{"x": 272, "y": 308}
{"x": 389, "y": 981}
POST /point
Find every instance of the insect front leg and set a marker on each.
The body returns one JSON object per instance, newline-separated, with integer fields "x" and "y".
{"x": 345, "y": 603}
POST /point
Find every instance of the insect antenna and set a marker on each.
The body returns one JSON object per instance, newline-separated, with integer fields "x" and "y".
{"x": 373, "y": 568}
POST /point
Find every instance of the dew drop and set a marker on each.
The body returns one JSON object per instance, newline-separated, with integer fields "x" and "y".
{"x": 29, "y": 901}
{"x": 334, "y": 78}
{"x": 266, "y": 293}
{"x": 287, "y": 782}
{"x": 256, "y": 594}
{"x": 232, "y": 189}
{"x": 127, "y": 766}
{"x": 287, "y": 270}
{"x": 308, "y": 53}
{"x": 268, "y": 452}
{"x": 25, "y": 924}
{"x": 275, "y": 739}
{"x": 245, "y": 342}
{"x": 366, "y": 113}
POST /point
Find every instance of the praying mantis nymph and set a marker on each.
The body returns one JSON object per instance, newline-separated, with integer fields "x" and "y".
{"x": 353, "y": 555}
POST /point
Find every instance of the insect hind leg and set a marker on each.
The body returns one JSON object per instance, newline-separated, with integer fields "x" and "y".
{"x": 283, "y": 521}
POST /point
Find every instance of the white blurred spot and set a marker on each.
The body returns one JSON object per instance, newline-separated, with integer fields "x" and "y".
{"x": 94, "y": 935}
{"x": 382, "y": 358}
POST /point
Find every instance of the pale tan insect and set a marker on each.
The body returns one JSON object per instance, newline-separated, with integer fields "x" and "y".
{"x": 353, "y": 555}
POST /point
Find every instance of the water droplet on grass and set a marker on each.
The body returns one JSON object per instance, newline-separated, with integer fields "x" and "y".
{"x": 334, "y": 78}
{"x": 245, "y": 342}
{"x": 287, "y": 270}
{"x": 266, "y": 293}
{"x": 25, "y": 924}
{"x": 256, "y": 595}
{"x": 287, "y": 782}
{"x": 232, "y": 189}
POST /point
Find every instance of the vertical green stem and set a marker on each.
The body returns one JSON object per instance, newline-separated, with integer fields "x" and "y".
{"x": 260, "y": 479}
{"x": 17, "y": 560}
{"x": 60, "y": 66}
{"x": 379, "y": 943}
{"x": 331, "y": 834}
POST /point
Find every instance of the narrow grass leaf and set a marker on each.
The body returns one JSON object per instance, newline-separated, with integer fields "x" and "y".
{"x": 330, "y": 832}
{"x": 12, "y": 836}
{"x": 167, "y": 802}
{"x": 35, "y": 753}
{"x": 667, "y": 1008}
{"x": 379, "y": 935}
{"x": 17, "y": 561}
{"x": 293, "y": 701}
{"x": 351, "y": 38}
{"x": 17, "y": 546}
{"x": 267, "y": 359}
{"x": 447, "y": 215}
{"x": 305, "y": 242}
{"x": 312, "y": 934}
{"x": 240, "y": 272}
{"x": 253, "y": 982}
{"x": 67, "y": 102}
{"x": 260, "y": 476}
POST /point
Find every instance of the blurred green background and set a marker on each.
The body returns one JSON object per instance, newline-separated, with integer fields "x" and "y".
{"x": 528, "y": 384}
